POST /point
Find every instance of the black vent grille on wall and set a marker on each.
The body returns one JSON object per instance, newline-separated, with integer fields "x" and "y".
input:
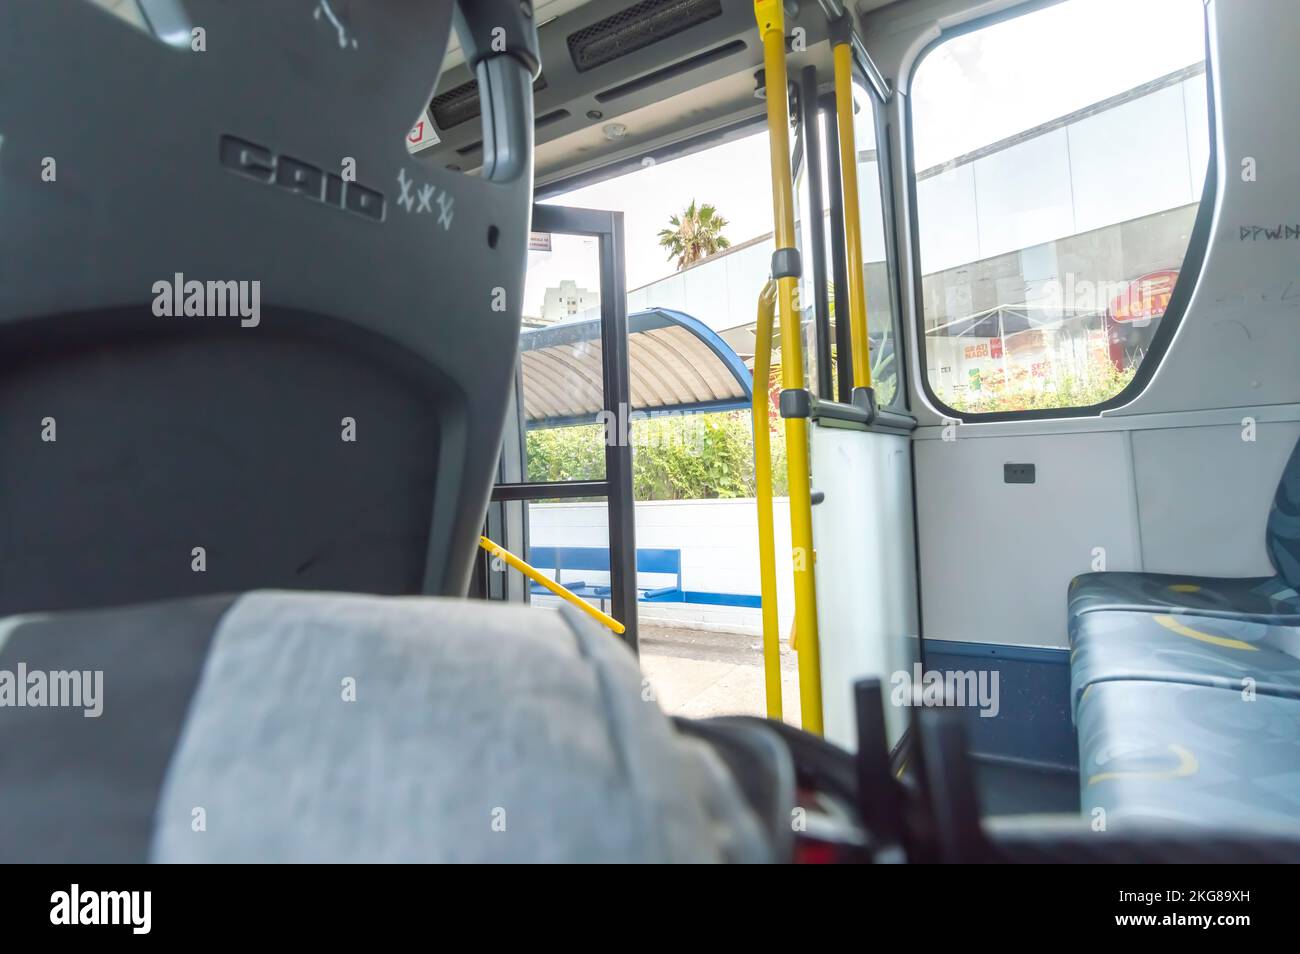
{"x": 636, "y": 27}
{"x": 461, "y": 104}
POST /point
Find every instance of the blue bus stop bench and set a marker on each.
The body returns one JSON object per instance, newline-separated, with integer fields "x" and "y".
{"x": 665, "y": 562}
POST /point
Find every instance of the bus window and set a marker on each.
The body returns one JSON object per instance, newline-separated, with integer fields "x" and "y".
{"x": 876, "y": 257}
{"x": 1057, "y": 184}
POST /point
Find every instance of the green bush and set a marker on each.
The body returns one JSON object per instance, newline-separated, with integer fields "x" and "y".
{"x": 566, "y": 453}
{"x": 1101, "y": 382}
{"x": 677, "y": 457}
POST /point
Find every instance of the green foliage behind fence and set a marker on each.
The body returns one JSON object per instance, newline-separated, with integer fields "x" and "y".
{"x": 1100, "y": 382}
{"x": 674, "y": 457}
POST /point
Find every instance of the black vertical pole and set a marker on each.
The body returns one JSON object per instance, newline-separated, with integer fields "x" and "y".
{"x": 950, "y": 786}
{"x": 879, "y": 799}
{"x": 618, "y": 453}
{"x": 808, "y": 115}
{"x": 839, "y": 257}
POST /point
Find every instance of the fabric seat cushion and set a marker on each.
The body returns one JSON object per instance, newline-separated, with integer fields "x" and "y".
{"x": 1266, "y": 598}
{"x": 1241, "y": 655}
{"x": 311, "y": 727}
{"x": 1189, "y": 755}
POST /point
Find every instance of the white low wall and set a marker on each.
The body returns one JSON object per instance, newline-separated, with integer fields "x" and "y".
{"x": 719, "y": 544}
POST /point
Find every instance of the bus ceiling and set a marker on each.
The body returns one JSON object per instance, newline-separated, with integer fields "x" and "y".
{"x": 612, "y": 91}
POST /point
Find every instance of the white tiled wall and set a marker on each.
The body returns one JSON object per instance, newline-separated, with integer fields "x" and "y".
{"x": 719, "y": 544}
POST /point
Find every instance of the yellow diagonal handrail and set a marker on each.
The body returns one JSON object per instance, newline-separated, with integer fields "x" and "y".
{"x": 496, "y": 550}
{"x": 761, "y": 403}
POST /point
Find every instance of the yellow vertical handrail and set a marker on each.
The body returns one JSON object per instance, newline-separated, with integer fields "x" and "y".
{"x": 496, "y": 550}
{"x": 761, "y": 404}
{"x": 771, "y": 27}
{"x": 842, "y": 54}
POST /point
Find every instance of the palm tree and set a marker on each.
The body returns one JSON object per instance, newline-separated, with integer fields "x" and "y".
{"x": 695, "y": 234}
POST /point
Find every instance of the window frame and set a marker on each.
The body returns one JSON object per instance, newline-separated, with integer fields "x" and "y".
{"x": 1189, "y": 272}
{"x": 901, "y": 400}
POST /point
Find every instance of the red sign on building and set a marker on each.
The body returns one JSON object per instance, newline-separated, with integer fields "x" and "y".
{"x": 1145, "y": 298}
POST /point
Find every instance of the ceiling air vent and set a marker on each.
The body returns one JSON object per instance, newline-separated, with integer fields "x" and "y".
{"x": 636, "y": 27}
{"x": 456, "y": 106}
{"x": 541, "y": 122}
{"x": 460, "y": 104}
{"x": 549, "y": 119}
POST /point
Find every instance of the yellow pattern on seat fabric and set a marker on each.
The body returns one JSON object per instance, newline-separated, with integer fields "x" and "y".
{"x": 1187, "y": 765}
{"x": 1171, "y": 624}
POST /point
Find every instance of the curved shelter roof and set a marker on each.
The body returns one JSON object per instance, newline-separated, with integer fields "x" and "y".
{"x": 677, "y": 363}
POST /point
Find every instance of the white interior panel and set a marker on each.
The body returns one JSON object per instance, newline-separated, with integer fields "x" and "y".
{"x": 1164, "y": 483}
{"x": 1204, "y": 495}
{"x": 997, "y": 557}
{"x": 865, "y": 567}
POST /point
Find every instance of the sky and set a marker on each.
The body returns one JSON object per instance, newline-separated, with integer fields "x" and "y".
{"x": 734, "y": 177}
{"x": 986, "y": 85}
{"x": 973, "y": 90}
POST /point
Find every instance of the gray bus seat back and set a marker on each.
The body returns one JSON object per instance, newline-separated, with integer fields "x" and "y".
{"x": 289, "y": 726}
{"x": 1282, "y": 536}
{"x": 1271, "y": 600}
{"x": 81, "y": 782}
{"x": 389, "y": 305}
